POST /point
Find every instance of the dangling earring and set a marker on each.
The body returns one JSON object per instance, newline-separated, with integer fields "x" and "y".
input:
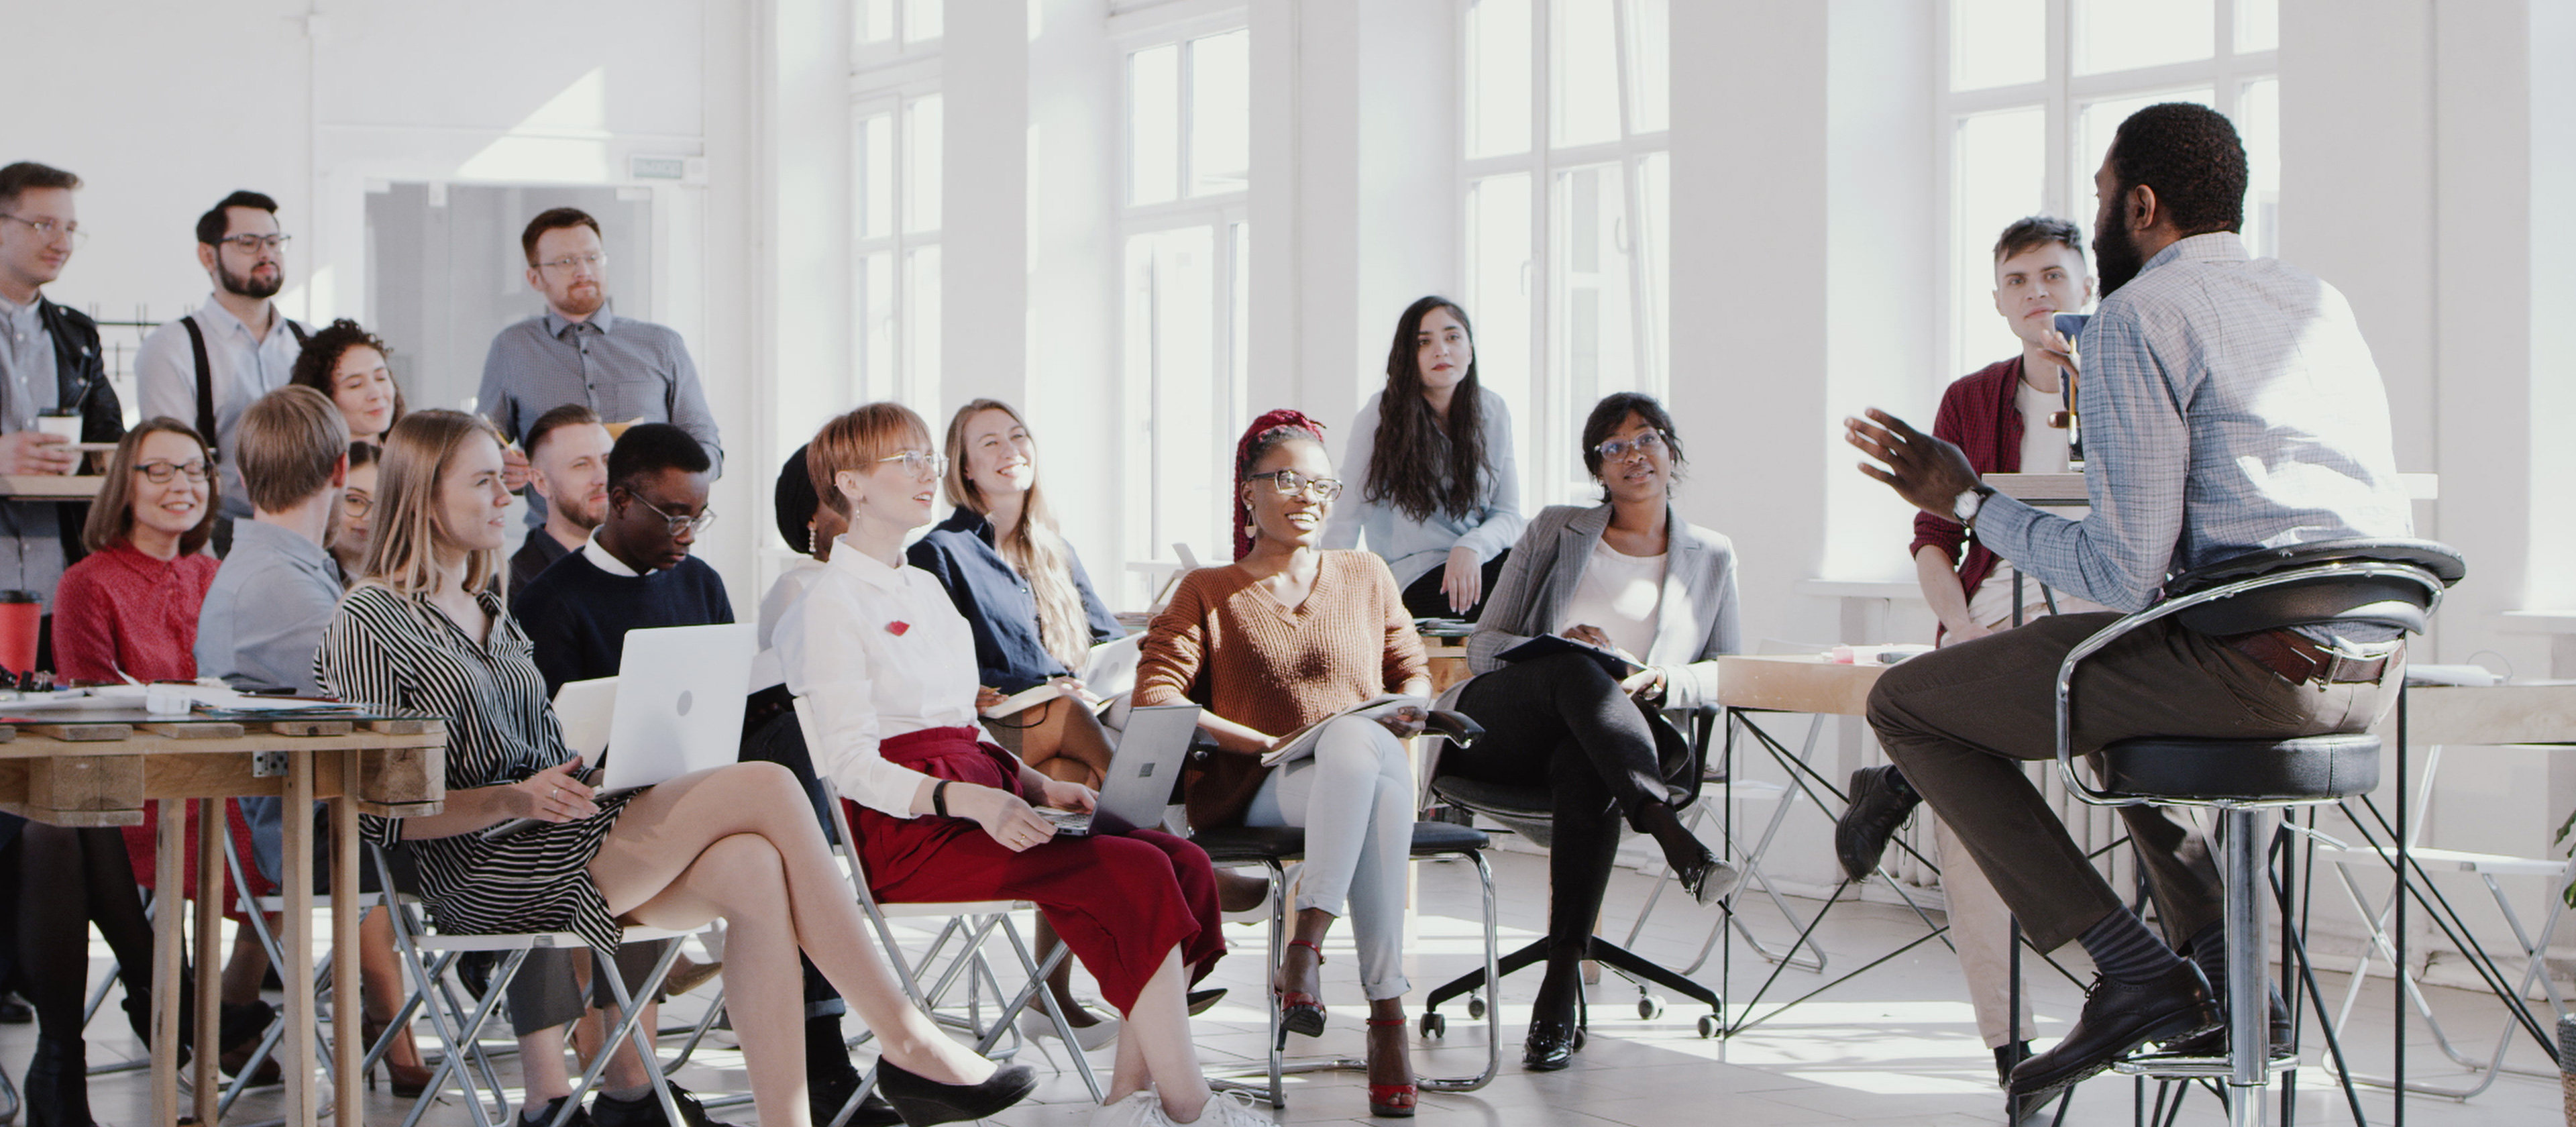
{"x": 810, "y": 546}
{"x": 1251, "y": 531}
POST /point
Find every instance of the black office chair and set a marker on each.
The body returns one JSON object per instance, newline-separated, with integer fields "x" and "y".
{"x": 1531, "y": 813}
{"x": 2388, "y": 583}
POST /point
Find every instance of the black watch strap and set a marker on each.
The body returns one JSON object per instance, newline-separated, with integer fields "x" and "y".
{"x": 939, "y": 798}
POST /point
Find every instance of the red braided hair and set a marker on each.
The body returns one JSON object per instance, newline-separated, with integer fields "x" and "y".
{"x": 1257, "y": 440}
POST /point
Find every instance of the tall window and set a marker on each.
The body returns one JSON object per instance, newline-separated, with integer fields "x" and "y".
{"x": 1567, "y": 174}
{"x": 2033, "y": 91}
{"x": 895, "y": 122}
{"x": 1188, "y": 116}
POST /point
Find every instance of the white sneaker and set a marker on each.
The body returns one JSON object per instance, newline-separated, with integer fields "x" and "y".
{"x": 1100, "y": 1034}
{"x": 1224, "y": 1109}
{"x": 1139, "y": 1109}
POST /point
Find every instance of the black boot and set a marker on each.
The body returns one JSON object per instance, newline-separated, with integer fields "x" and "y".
{"x": 58, "y": 1084}
{"x": 138, "y": 1016}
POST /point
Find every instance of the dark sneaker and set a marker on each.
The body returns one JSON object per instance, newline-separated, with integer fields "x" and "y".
{"x": 2117, "y": 1018}
{"x": 647, "y": 1111}
{"x": 1880, "y": 801}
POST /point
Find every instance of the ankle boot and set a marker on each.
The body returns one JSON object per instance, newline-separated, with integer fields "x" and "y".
{"x": 138, "y": 1016}
{"x": 58, "y": 1084}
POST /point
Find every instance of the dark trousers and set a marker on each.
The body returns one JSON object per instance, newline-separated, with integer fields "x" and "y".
{"x": 1562, "y": 723}
{"x": 1422, "y": 597}
{"x": 1960, "y": 721}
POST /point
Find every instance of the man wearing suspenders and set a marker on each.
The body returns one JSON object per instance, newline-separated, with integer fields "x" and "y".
{"x": 202, "y": 369}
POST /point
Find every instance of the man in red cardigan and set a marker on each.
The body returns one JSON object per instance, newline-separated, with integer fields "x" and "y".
{"x": 2009, "y": 417}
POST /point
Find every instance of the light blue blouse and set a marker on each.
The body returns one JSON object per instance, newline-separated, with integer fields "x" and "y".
{"x": 1412, "y": 548}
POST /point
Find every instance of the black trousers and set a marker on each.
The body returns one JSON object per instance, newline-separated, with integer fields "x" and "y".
{"x": 1422, "y": 597}
{"x": 770, "y": 735}
{"x": 1561, "y": 723}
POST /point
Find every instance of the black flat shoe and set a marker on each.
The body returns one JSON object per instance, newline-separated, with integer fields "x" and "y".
{"x": 923, "y": 1102}
{"x": 1880, "y": 801}
{"x": 1201, "y": 1001}
{"x": 2117, "y": 1018}
{"x": 2212, "y": 1043}
{"x": 2008, "y": 1057}
{"x": 1550, "y": 1045}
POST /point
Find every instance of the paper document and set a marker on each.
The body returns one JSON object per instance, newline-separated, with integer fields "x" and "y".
{"x": 1302, "y": 744}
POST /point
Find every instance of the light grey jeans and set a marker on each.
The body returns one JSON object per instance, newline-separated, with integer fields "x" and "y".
{"x": 1354, "y": 797}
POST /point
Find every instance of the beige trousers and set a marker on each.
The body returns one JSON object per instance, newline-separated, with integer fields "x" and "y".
{"x": 1981, "y": 928}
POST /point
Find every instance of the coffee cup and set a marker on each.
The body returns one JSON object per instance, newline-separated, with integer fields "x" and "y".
{"x": 63, "y": 425}
{"x": 21, "y": 616}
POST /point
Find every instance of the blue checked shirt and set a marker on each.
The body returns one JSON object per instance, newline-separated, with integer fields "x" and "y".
{"x": 2227, "y": 404}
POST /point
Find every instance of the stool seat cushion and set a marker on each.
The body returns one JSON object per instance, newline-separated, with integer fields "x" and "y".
{"x": 2305, "y": 769}
{"x": 1502, "y": 800}
{"x": 1238, "y": 845}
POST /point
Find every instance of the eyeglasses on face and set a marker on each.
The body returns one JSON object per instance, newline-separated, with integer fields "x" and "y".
{"x": 1290, "y": 483}
{"x": 570, "y": 262}
{"x": 1643, "y": 446}
{"x": 679, "y": 525}
{"x": 47, "y": 230}
{"x": 919, "y": 463}
{"x": 253, "y": 244}
{"x": 159, "y": 472}
{"x": 356, "y": 504}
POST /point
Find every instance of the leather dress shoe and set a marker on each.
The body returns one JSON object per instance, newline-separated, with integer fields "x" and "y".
{"x": 1880, "y": 801}
{"x": 2118, "y": 1017}
{"x": 1550, "y": 1045}
{"x": 2212, "y": 1043}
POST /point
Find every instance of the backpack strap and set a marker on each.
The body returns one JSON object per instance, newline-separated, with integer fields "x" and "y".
{"x": 296, "y": 328}
{"x": 205, "y": 387}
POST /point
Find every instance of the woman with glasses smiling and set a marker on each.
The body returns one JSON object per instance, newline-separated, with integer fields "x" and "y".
{"x": 1286, "y": 637}
{"x": 1649, "y": 594}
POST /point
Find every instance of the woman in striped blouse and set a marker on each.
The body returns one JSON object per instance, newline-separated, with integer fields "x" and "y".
{"x": 424, "y": 630}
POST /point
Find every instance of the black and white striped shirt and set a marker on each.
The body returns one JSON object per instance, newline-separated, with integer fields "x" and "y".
{"x": 398, "y": 651}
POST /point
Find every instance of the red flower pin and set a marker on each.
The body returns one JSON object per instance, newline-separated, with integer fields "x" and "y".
{"x": 897, "y": 627}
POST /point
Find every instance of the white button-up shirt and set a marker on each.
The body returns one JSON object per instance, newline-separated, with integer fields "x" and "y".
{"x": 240, "y": 366}
{"x": 875, "y": 652}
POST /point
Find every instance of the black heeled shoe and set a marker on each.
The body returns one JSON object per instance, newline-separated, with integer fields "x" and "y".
{"x": 1555, "y": 1030}
{"x": 922, "y": 1101}
{"x": 1550, "y": 1045}
{"x": 1708, "y": 879}
{"x": 58, "y": 1084}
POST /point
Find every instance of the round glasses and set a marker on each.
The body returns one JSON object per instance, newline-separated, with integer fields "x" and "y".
{"x": 679, "y": 525}
{"x": 919, "y": 464}
{"x": 1291, "y": 483}
{"x": 47, "y": 230}
{"x": 1642, "y": 446}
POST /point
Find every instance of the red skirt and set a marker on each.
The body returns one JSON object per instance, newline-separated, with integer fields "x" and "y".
{"x": 1120, "y": 903}
{"x": 142, "y": 848}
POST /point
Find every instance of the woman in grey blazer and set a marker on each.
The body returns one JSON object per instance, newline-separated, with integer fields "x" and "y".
{"x": 1641, "y": 590}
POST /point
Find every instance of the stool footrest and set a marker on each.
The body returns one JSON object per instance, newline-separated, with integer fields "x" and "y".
{"x": 2195, "y": 1068}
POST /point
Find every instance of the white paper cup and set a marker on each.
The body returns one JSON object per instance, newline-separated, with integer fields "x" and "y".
{"x": 65, "y": 427}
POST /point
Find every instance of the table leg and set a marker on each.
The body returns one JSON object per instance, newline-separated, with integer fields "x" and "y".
{"x": 348, "y": 1008}
{"x": 211, "y": 826}
{"x": 295, "y": 1053}
{"x": 167, "y": 876}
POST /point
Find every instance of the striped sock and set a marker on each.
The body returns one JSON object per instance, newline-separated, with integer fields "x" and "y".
{"x": 2124, "y": 950}
{"x": 2209, "y": 949}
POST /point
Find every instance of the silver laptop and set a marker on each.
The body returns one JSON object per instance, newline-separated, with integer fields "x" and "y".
{"x": 1142, "y": 772}
{"x": 674, "y": 707}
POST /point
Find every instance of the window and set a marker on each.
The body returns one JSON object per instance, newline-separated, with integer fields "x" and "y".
{"x": 1565, "y": 154}
{"x": 1184, "y": 293}
{"x": 895, "y": 177}
{"x": 895, "y": 27}
{"x": 2035, "y": 89}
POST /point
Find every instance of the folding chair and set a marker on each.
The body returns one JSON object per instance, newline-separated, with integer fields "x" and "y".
{"x": 427, "y": 956}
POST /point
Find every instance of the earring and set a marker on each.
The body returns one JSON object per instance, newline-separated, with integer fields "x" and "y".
{"x": 810, "y": 546}
{"x": 1251, "y": 530}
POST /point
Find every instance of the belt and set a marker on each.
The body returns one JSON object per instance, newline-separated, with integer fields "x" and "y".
{"x": 2299, "y": 659}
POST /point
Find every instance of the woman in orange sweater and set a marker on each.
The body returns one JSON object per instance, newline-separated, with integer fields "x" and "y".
{"x": 1286, "y": 636}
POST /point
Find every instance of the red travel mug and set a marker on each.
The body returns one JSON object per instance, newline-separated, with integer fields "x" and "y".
{"x": 20, "y": 613}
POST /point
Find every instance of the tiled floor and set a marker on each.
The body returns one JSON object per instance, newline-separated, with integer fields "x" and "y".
{"x": 1898, "y": 1045}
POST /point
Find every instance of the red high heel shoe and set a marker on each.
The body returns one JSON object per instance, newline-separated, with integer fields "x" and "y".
{"x": 1300, "y": 1012}
{"x": 1392, "y": 1101}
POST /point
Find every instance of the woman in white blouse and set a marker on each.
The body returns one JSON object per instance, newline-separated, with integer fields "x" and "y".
{"x": 1631, "y": 578}
{"x": 884, "y": 668}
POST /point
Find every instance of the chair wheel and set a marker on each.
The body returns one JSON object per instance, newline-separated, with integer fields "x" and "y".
{"x": 1475, "y": 1007}
{"x": 1708, "y": 1028}
{"x": 1649, "y": 1007}
{"x": 1434, "y": 1025}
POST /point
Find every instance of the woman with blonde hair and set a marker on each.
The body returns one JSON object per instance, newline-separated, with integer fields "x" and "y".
{"x": 424, "y": 630}
{"x": 884, "y": 670}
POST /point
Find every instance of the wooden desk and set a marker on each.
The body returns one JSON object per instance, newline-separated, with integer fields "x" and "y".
{"x": 50, "y": 487}
{"x": 1448, "y": 657}
{"x": 84, "y": 772}
{"x": 1792, "y": 683}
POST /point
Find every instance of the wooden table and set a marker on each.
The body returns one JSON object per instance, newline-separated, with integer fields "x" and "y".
{"x": 1448, "y": 660}
{"x": 87, "y": 771}
{"x": 50, "y": 487}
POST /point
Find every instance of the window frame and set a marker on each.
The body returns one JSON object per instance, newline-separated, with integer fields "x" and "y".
{"x": 892, "y": 91}
{"x": 1558, "y": 474}
{"x": 2061, "y": 95}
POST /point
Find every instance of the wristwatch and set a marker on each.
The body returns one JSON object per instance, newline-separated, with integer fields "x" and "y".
{"x": 1966, "y": 506}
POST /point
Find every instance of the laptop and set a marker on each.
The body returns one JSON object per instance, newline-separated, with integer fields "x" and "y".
{"x": 674, "y": 707}
{"x": 1142, "y": 773}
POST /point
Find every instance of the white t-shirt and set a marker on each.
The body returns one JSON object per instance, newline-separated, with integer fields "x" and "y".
{"x": 2043, "y": 450}
{"x": 1620, "y": 594}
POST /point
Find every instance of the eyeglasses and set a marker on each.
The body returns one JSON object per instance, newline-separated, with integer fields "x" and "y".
{"x": 160, "y": 473}
{"x": 357, "y": 504}
{"x": 588, "y": 262}
{"x": 919, "y": 464}
{"x": 690, "y": 525}
{"x": 1642, "y": 446}
{"x": 253, "y": 244}
{"x": 47, "y": 229}
{"x": 1290, "y": 483}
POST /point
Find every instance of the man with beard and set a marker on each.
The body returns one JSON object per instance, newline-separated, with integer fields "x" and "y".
{"x": 204, "y": 368}
{"x": 568, "y": 453}
{"x": 2228, "y": 404}
{"x": 578, "y": 351}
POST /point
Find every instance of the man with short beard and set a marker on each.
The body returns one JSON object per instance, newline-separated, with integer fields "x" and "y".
{"x": 204, "y": 368}
{"x": 579, "y": 351}
{"x": 568, "y": 456}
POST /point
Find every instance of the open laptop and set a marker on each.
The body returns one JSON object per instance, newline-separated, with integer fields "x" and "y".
{"x": 674, "y": 707}
{"x": 1142, "y": 773}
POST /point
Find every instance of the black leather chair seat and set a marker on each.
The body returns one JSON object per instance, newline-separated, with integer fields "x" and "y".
{"x": 1527, "y": 811}
{"x": 2307, "y": 769}
{"x": 1244, "y": 845}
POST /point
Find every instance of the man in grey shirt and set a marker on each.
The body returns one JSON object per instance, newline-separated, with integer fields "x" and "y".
{"x": 578, "y": 351}
{"x": 204, "y": 368}
{"x": 49, "y": 357}
{"x": 2228, "y": 404}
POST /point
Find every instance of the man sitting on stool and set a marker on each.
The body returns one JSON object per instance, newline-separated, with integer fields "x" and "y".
{"x": 2228, "y": 405}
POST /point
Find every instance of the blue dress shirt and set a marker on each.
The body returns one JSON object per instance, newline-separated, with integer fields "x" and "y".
{"x": 997, "y": 603}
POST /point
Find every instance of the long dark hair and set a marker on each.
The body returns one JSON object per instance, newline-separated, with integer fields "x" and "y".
{"x": 1418, "y": 465}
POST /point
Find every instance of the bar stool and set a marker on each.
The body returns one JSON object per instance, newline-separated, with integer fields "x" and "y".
{"x": 2387, "y": 583}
